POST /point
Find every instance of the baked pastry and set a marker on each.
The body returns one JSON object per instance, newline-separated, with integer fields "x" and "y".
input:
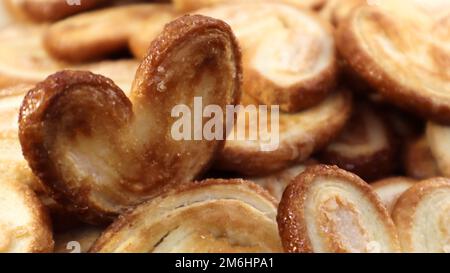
{"x": 23, "y": 59}
{"x": 24, "y": 223}
{"x": 299, "y": 136}
{"x": 326, "y": 209}
{"x": 335, "y": 11}
{"x": 48, "y": 10}
{"x": 277, "y": 182}
{"x": 390, "y": 189}
{"x": 438, "y": 139}
{"x": 288, "y": 53}
{"x": 101, "y": 152}
{"x": 402, "y": 56}
{"x": 13, "y": 166}
{"x": 365, "y": 146}
{"x": 190, "y": 5}
{"x": 419, "y": 162}
{"x": 77, "y": 240}
{"x": 93, "y": 35}
{"x": 422, "y": 217}
{"x": 209, "y": 216}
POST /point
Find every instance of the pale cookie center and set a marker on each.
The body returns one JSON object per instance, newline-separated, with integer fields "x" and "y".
{"x": 340, "y": 222}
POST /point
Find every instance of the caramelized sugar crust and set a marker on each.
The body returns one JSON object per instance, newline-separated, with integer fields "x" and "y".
{"x": 101, "y": 152}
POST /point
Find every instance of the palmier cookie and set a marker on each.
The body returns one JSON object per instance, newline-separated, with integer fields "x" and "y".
{"x": 101, "y": 152}
{"x": 190, "y": 5}
{"x": 299, "y": 136}
{"x": 94, "y": 35}
{"x": 23, "y": 59}
{"x": 209, "y": 216}
{"x": 438, "y": 139}
{"x": 419, "y": 161}
{"x": 24, "y": 223}
{"x": 277, "y": 182}
{"x": 288, "y": 53}
{"x": 13, "y": 166}
{"x": 326, "y": 209}
{"x": 404, "y": 60}
{"x": 422, "y": 217}
{"x": 365, "y": 146}
{"x": 48, "y": 10}
{"x": 390, "y": 189}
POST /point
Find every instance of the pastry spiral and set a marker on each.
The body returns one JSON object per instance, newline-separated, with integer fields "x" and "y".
{"x": 300, "y": 135}
{"x": 23, "y": 59}
{"x": 209, "y": 216}
{"x": 365, "y": 146}
{"x": 419, "y": 161}
{"x": 24, "y": 223}
{"x": 390, "y": 189}
{"x": 93, "y": 35}
{"x": 326, "y": 209}
{"x": 403, "y": 53}
{"x": 101, "y": 152}
{"x": 422, "y": 217}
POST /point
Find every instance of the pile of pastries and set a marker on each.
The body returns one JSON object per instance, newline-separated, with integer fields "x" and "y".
{"x": 88, "y": 162}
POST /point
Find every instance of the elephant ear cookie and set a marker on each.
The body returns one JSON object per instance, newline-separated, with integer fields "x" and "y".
{"x": 419, "y": 161}
{"x": 101, "y": 152}
{"x": 24, "y": 223}
{"x": 405, "y": 60}
{"x": 210, "y": 216}
{"x": 94, "y": 35}
{"x": 438, "y": 140}
{"x": 365, "y": 146}
{"x": 326, "y": 209}
{"x": 422, "y": 217}
{"x": 390, "y": 189}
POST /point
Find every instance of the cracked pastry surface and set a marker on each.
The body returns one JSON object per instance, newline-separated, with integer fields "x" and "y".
{"x": 326, "y": 209}
{"x": 405, "y": 60}
{"x": 218, "y": 216}
{"x": 390, "y": 189}
{"x": 23, "y": 59}
{"x": 24, "y": 223}
{"x": 300, "y": 135}
{"x": 101, "y": 152}
{"x": 422, "y": 217}
{"x": 365, "y": 146}
{"x": 93, "y": 35}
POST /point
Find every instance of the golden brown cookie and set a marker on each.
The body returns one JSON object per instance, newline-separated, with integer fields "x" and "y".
{"x": 438, "y": 139}
{"x": 419, "y": 161}
{"x": 326, "y": 209}
{"x": 101, "y": 152}
{"x": 23, "y": 59}
{"x": 422, "y": 217}
{"x": 299, "y": 136}
{"x": 24, "y": 222}
{"x": 390, "y": 189}
{"x": 365, "y": 146}
{"x": 210, "y": 216}
{"x": 400, "y": 52}
{"x": 48, "y": 10}
{"x": 94, "y": 35}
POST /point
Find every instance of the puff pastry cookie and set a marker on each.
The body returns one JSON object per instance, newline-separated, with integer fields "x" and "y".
{"x": 209, "y": 216}
{"x": 23, "y": 59}
{"x": 419, "y": 161}
{"x": 326, "y": 209}
{"x": 94, "y": 35}
{"x": 438, "y": 139}
{"x": 365, "y": 146}
{"x": 288, "y": 53}
{"x": 24, "y": 223}
{"x": 406, "y": 60}
{"x": 101, "y": 152}
{"x": 300, "y": 135}
{"x": 390, "y": 189}
{"x": 422, "y": 217}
